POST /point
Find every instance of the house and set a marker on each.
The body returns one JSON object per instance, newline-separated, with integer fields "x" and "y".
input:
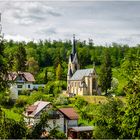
{"x": 20, "y": 81}
{"x": 33, "y": 112}
{"x": 70, "y": 118}
{"x": 80, "y": 81}
{"x": 62, "y": 118}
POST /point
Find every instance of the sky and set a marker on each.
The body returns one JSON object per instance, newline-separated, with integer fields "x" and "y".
{"x": 103, "y": 21}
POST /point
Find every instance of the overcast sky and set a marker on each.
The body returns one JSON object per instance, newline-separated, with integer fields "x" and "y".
{"x": 102, "y": 21}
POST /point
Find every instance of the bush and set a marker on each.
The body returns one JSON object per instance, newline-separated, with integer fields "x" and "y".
{"x": 7, "y": 102}
{"x": 61, "y": 100}
{"x": 25, "y": 92}
{"x": 20, "y": 102}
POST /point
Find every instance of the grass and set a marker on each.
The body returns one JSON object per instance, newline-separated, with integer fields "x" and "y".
{"x": 100, "y": 99}
{"x": 95, "y": 99}
{"x": 10, "y": 113}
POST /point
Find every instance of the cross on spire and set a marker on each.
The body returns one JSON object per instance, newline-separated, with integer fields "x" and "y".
{"x": 74, "y": 45}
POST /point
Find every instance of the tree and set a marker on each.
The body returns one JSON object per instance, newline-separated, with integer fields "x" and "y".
{"x": 46, "y": 76}
{"x": 3, "y": 67}
{"x": 107, "y": 119}
{"x": 20, "y": 57}
{"x": 58, "y": 72}
{"x": 131, "y": 120}
{"x": 11, "y": 129}
{"x": 33, "y": 66}
{"x": 106, "y": 72}
{"x": 39, "y": 128}
{"x": 56, "y": 134}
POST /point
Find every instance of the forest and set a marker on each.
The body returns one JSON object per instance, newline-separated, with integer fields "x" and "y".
{"x": 114, "y": 117}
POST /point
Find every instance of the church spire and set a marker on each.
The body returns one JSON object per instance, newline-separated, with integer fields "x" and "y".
{"x": 74, "y": 45}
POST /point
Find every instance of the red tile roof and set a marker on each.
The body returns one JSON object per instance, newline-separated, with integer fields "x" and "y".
{"x": 31, "y": 108}
{"x": 27, "y": 75}
{"x": 69, "y": 113}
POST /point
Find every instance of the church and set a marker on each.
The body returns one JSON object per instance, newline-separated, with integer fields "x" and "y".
{"x": 80, "y": 81}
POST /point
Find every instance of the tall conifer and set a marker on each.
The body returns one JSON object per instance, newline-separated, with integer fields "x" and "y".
{"x": 106, "y": 72}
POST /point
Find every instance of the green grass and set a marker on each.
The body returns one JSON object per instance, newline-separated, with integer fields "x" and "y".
{"x": 10, "y": 113}
{"x": 95, "y": 99}
{"x": 100, "y": 99}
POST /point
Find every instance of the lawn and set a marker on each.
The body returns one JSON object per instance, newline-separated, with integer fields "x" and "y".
{"x": 12, "y": 114}
{"x": 101, "y": 99}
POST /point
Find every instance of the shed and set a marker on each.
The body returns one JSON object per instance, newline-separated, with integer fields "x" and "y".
{"x": 80, "y": 132}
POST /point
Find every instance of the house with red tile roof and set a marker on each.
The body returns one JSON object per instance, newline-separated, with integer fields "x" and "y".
{"x": 70, "y": 118}
{"x": 62, "y": 118}
{"x": 20, "y": 81}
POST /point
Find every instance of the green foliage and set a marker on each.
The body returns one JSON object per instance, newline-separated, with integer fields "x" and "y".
{"x": 107, "y": 119}
{"x": 58, "y": 72}
{"x": 106, "y": 72}
{"x": 61, "y": 100}
{"x": 3, "y": 67}
{"x": 131, "y": 118}
{"x": 20, "y": 102}
{"x": 80, "y": 102}
{"x": 39, "y": 127}
{"x": 11, "y": 129}
{"x": 46, "y": 76}
{"x": 5, "y": 100}
{"x": 56, "y": 134}
{"x": 33, "y": 66}
{"x": 21, "y": 59}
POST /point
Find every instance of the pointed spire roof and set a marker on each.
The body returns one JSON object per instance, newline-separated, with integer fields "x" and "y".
{"x": 70, "y": 72}
{"x": 74, "y": 45}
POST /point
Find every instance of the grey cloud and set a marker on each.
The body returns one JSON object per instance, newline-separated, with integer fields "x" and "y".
{"x": 47, "y": 31}
{"x": 31, "y": 12}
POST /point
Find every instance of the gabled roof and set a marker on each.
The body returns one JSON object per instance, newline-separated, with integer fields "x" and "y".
{"x": 70, "y": 113}
{"x": 27, "y": 75}
{"x": 79, "y": 74}
{"x": 37, "y": 107}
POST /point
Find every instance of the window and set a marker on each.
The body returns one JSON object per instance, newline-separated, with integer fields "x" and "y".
{"x": 19, "y": 86}
{"x": 28, "y": 86}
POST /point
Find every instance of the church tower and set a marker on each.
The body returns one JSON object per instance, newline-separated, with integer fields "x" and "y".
{"x": 73, "y": 61}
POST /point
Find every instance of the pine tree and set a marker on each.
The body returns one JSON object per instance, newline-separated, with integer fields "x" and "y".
{"x": 106, "y": 72}
{"x": 21, "y": 59}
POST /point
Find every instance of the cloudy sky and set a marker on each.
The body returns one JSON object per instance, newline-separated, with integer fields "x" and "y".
{"x": 103, "y": 21}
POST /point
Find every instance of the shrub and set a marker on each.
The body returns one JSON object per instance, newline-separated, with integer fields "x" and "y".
{"x": 20, "y": 102}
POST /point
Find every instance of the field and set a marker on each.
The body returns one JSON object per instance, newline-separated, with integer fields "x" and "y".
{"x": 100, "y": 99}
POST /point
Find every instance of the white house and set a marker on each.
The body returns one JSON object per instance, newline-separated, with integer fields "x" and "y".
{"x": 64, "y": 118}
{"x": 20, "y": 81}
